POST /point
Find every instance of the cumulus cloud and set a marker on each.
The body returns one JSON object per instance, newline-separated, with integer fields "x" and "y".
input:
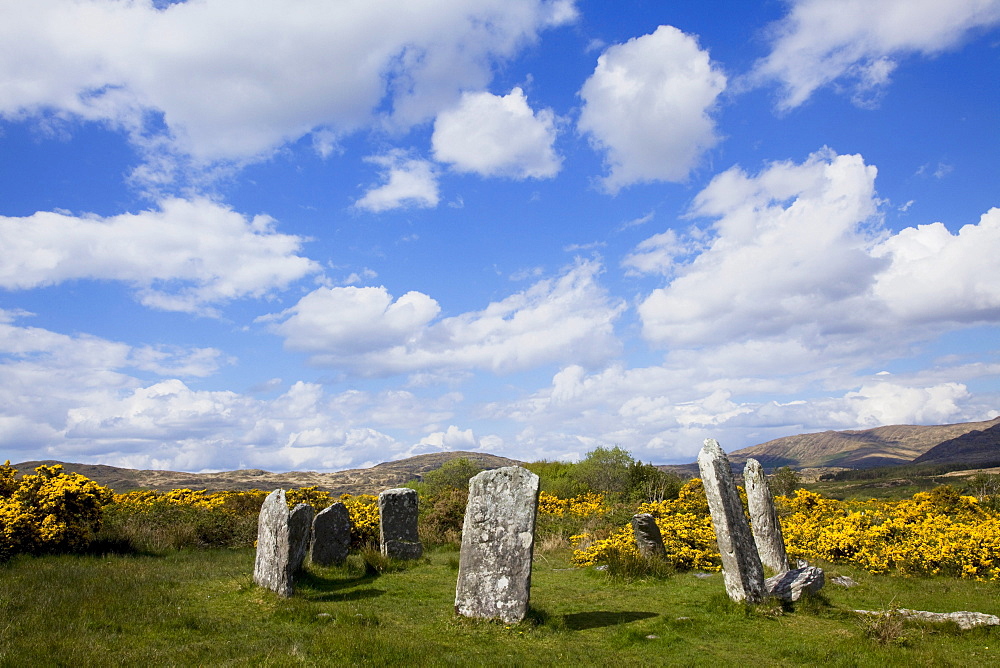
{"x": 795, "y": 261}
{"x": 773, "y": 316}
{"x": 497, "y": 135}
{"x": 648, "y": 106}
{"x": 365, "y": 331}
{"x": 184, "y": 256}
{"x": 233, "y": 84}
{"x": 789, "y": 252}
{"x": 861, "y": 41}
{"x": 74, "y": 398}
{"x": 406, "y": 182}
{"x": 935, "y": 275}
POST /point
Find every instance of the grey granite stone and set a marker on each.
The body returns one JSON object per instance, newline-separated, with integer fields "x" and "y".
{"x": 331, "y": 535}
{"x": 764, "y": 519}
{"x": 398, "y": 524}
{"x": 741, "y": 567}
{"x": 647, "y": 536}
{"x": 498, "y": 537}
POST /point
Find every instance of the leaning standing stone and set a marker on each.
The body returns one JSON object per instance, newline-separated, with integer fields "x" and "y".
{"x": 764, "y": 519}
{"x": 741, "y": 567}
{"x": 271, "y": 567}
{"x": 398, "y": 524}
{"x": 498, "y": 538}
{"x": 647, "y": 536}
{"x": 299, "y": 529}
{"x": 331, "y": 535}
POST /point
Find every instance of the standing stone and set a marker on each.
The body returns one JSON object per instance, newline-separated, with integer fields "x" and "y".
{"x": 498, "y": 539}
{"x": 299, "y": 529}
{"x": 648, "y": 537}
{"x": 272, "y": 567}
{"x": 398, "y": 524}
{"x": 764, "y": 519}
{"x": 331, "y": 535}
{"x": 741, "y": 567}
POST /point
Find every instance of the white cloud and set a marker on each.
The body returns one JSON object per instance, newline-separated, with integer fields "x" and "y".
{"x": 363, "y": 330}
{"x": 773, "y": 316}
{"x": 233, "y": 84}
{"x": 882, "y": 403}
{"x": 73, "y": 398}
{"x": 406, "y": 182}
{"x": 822, "y": 41}
{"x": 185, "y": 256}
{"x": 790, "y": 253}
{"x": 494, "y": 135}
{"x": 451, "y": 439}
{"x": 648, "y": 106}
{"x": 936, "y": 276}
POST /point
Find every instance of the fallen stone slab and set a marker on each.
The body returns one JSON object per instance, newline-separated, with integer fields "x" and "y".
{"x": 788, "y": 586}
{"x": 965, "y": 619}
{"x": 844, "y": 581}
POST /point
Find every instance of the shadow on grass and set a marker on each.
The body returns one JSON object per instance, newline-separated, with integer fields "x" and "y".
{"x": 578, "y": 621}
{"x": 351, "y": 588}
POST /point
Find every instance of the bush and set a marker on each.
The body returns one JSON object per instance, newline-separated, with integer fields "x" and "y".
{"x": 442, "y": 517}
{"x": 49, "y": 511}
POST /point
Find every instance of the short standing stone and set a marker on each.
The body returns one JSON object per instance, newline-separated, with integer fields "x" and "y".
{"x": 272, "y": 565}
{"x": 741, "y": 567}
{"x": 498, "y": 538}
{"x": 331, "y": 535}
{"x": 647, "y": 536}
{"x": 764, "y": 519}
{"x": 398, "y": 524}
{"x": 299, "y": 530}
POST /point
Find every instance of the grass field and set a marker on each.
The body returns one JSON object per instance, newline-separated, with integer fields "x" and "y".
{"x": 201, "y": 608}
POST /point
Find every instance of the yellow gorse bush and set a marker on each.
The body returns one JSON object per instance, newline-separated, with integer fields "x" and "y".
{"x": 362, "y": 508}
{"x": 49, "y": 511}
{"x": 932, "y": 533}
{"x": 584, "y": 505}
{"x": 684, "y": 524}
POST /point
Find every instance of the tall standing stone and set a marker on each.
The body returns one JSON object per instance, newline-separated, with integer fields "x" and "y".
{"x": 299, "y": 529}
{"x": 764, "y": 519}
{"x": 272, "y": 566}
{"x": 498, "y": 539}
{"x": 647, "y": 536}
{"x": 741, "y": 567}
{"x": 331, "y": 535}
{"x": 398, "y": 524}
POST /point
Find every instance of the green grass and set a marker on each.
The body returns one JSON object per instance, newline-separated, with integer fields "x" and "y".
{"x": 201, "y": 608}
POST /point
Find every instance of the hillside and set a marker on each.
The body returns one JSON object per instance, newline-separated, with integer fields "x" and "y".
{"x": 353, "y": 481}
{"x": 881, "y": 446}
{"x": 976, "y": 448}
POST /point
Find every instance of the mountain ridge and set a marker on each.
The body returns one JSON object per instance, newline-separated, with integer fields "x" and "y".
{"x": 890, "y": 445}
{"x": 370, "y": 480}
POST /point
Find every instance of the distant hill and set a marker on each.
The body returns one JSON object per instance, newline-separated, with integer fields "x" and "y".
{"x": 353, "y": 481}
{"x": 975, "y": 448}
{"x": 857, "y": 449}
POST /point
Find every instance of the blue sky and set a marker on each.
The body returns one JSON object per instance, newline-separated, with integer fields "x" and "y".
{"x": 307, "y": 234}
